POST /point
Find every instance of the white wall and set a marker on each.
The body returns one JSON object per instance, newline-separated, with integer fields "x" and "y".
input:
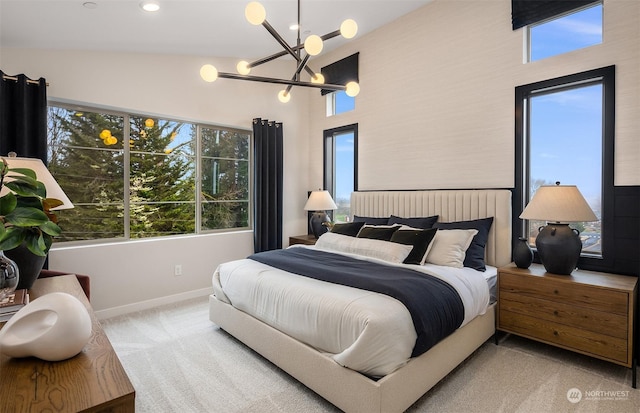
{"x": 131, "y": 275}
{"x": 436, "y": 106}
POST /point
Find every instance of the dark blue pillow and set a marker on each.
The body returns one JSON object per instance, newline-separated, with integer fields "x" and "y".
{"x": 474, "y": 257}
{"x": 371, "y": 220}
{"x": 415, "y": 222}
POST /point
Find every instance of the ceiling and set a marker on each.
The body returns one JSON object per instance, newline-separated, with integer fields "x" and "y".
{"x": 195, "y": 27}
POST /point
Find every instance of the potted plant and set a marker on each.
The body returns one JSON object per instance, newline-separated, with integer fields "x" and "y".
{"x": 28, "y": 225}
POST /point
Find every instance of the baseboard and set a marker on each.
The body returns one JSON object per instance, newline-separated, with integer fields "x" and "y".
{"x": 156, "y": 302}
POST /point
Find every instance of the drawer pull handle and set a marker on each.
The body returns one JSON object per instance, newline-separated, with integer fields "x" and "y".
{"x": 555, "y": 333}
{"x": 555, "y": 291}
{"x": 555, "y": 312}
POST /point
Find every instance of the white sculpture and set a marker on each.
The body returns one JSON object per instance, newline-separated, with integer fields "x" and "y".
{"x": 53, "y": 327}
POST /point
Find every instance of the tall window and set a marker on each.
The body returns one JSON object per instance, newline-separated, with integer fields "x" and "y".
{"x": 133, "y": 176}
{"x": 564, "y": 33}
{"x": 341, "y": 167}
{"x": 564, "y": 132}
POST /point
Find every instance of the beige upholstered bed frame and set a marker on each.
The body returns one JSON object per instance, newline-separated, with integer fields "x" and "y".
{"x": 347, "y": 389}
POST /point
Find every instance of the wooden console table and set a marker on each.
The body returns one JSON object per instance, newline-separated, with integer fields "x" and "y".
{"x": 92, "y": 381}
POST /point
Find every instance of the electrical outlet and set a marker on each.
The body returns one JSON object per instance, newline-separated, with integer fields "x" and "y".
{"x": 177, "y": 270}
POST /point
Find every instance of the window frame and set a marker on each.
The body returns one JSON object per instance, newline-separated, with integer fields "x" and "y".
{"x": 127, "y": 115}
{"x": 521, "y": 190}
{"x": 329, "y": 180}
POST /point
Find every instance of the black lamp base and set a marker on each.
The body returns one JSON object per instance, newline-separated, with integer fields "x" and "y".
{"x": 559, "y": 248}
{"x": 316, "y": 221}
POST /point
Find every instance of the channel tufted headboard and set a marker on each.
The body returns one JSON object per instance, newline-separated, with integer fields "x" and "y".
{"x": 449, "y": 205}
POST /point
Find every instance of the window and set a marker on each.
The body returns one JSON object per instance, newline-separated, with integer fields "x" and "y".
{"x": 564, "y": 132}
{"x": 341, "y": 167}
{"x": 339, "y": 102}
{"x": 565, "y": 33}
{"x": 133, "y": 176}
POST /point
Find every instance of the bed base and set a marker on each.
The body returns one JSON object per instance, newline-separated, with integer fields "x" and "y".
{"x": 350, "y": 391}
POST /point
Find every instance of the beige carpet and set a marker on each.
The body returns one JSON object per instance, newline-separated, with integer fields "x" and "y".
{"x": 178, "y": 361}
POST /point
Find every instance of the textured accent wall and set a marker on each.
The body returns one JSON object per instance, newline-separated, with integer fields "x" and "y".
{"x": 436, "y": 107}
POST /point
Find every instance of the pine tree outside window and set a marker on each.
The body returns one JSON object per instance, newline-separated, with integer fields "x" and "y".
{"x": 136, "y": 176}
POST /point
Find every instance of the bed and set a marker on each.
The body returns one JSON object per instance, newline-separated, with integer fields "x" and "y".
{"x": 353, "y": 391}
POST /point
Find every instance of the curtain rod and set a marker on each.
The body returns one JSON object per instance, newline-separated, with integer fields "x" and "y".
{"x": 35, "y": 82}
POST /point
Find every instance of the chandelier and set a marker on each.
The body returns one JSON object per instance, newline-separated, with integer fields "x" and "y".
{"x": 256, "y": 14}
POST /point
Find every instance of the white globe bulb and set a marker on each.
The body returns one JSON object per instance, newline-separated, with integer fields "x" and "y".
{"x": 313, "y": 45}
{"x": 318, "y": 78}
{"x": 348, "y": 28}
{"x": 284, "y": 96}
{"x": 353, "y": 88}
{"x": 243, "y": 67}
{"x": 255, "y": 13}
{"x": 209, "y": 73}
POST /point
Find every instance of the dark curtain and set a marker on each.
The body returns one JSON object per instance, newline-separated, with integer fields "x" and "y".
{"x": 341, "y": 72}
{"x": 267, "y": 137}
{"x": 23, "y": 116}
{"x": 525, "y": 12}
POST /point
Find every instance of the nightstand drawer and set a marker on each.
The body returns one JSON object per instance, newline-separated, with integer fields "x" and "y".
{"x": 565, "y": 291}
{"x": 614, "y": 325}
{"x": 571, "y": 338}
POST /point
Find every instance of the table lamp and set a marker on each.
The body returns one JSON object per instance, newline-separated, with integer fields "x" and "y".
{"x": 319, "y": 201}
{"x": 558, "y": 245}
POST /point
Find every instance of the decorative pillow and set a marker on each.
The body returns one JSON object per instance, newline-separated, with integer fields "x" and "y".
{"x": 383, "y": 233}
{"x": 449, "y": 246}
{"x": 419, "y": 239}
{"x": 382, "y": 250}
{"x": 415, "y": 222}
{"x": 349, "y": 228}
{"x": 475, "y": 254}
{"x": 371, "y": 220}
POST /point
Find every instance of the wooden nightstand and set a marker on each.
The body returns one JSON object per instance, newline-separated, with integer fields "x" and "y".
{"x": 307, "y": 239}
{"x": 587, "y": 312}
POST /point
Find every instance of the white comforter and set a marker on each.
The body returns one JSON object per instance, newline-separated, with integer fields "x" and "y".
{"x": 368, "y": 332}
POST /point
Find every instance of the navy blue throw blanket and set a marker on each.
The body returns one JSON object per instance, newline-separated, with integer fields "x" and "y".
{"x": 435, "y": 306}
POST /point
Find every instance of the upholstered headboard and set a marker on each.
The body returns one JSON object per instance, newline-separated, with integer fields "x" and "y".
{"x": 449, "y": 205}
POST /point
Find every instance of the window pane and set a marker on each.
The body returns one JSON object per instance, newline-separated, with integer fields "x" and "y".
{"x": 339, "y": 102}
{"x": 344, "y": 174}
{"x": 564, "y": 34}
{"x": 225, "y": 178}
{"x": 161, "y": 219}
{"x": 566, "y": 145}
{"x": 86, "y": 158}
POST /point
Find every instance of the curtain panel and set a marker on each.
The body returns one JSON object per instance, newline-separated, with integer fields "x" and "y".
{"x": 268, "y": 182}
{"x": 23, "y": 116}
{"x": 525, "y": 12}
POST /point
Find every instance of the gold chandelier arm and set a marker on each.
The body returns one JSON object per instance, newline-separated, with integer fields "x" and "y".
{"x": 235, "y": 76}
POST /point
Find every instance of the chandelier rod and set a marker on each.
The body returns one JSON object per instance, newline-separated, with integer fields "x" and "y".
{"x": 263, "y": 79}
{"x": 295, "y": 49}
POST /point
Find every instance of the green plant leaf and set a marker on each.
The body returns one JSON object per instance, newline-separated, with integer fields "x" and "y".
{"x": 35, "y": 243}
{"x": 29, "y": 202}
{"x": 11, "y": 238}
{"x": 26, "y": 186}
{"x": 26, "y": 217}
{"x": 8, "y": 203}
{"x": 50, "y": 228}
{"x": 24, "y": 171}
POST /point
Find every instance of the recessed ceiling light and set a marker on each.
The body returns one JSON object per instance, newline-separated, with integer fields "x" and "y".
{"x": 293, "y": 26}
{"x": 150, "y": 5}
{"x": 90, "y": 5}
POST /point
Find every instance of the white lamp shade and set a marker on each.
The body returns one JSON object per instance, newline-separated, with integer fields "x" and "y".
{"x": 42, "y": 174}
{"x": 558, "y": 203}
{"x": 320, "y": 201}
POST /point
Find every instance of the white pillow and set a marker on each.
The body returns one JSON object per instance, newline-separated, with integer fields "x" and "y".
{"x": 382, "y": 250}
{"x": 449, "y": 247}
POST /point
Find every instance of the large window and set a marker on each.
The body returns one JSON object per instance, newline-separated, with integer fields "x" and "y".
{"x": 132, "y": 176}
{"x": 561, "y": 34}
{"x": 341, "y": 167}
{"x": 564, "y": 132}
